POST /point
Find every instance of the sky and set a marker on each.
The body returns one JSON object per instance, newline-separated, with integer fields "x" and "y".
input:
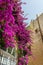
{"x": 32, "y": 8}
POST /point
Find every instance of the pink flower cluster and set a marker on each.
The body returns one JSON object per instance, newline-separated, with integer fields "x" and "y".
{"x": 13, "y": 29}
{"x": 7, "y": 22}
{"x": 23, "y": 60}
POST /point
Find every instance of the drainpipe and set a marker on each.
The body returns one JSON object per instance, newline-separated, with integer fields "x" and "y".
{"x": 39, "y": 28}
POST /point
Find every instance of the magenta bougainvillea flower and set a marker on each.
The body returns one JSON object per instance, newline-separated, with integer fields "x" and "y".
{"x": 13, "y": 29}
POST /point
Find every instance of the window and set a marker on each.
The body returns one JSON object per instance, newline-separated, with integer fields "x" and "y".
{"x": 36, "y": 31}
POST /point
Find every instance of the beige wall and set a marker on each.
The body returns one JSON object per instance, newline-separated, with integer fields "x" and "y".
{"x": 37, "y": 45}
{"x": 37, "y": 51}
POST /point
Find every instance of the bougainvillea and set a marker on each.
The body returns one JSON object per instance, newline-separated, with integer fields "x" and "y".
{"x": 12, "y": 26}
{"x": 7, "y": 22}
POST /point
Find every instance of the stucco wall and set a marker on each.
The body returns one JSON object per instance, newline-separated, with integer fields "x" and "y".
{"x": 37, "y": 45}
{"x": 37, "y": 51}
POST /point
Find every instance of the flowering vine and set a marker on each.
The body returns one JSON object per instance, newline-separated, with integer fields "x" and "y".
{"x": 12, "y": 26}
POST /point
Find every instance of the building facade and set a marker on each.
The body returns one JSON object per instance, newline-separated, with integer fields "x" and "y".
{"x": 36, "y": 26}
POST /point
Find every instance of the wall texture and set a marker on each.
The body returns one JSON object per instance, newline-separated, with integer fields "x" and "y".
{"x": 37, "y": 46}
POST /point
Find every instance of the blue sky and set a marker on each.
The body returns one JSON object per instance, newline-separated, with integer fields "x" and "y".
{"x": 32, "y": 8}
